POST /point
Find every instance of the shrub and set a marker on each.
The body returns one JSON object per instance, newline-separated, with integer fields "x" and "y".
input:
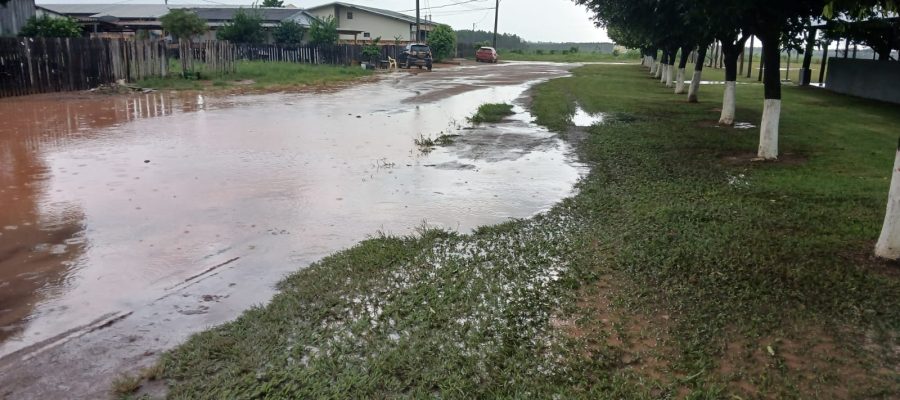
{"x": 573, "y": 49}
{"x": 372, "y": 52}
{"x": 182, "y": 23}
{"x": 442, "y": 41}
{"x": 51, "y": 27}
{"x": 246, "y": 27}
{"x": 288, "y": 32}
{"x": 323, "y": 32}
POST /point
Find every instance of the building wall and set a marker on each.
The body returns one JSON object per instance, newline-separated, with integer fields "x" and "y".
{"x": 375, "y": 24}
{"x": 14, "y": 16}
{"x": 864, "y": 78}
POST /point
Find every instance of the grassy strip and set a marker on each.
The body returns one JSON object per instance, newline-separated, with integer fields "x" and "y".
{"x": 261, "y": 75}
{"x": 680, "y": 269}
{"x": 491, "y": 112}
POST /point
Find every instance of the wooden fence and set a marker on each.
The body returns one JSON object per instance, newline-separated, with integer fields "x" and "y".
{"x": 38, "y": 65}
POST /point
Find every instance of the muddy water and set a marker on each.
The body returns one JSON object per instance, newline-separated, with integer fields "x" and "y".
{"x": 128, "y": 223}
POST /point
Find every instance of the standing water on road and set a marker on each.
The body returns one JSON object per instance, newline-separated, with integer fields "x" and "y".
{"x": 130, "y": 222}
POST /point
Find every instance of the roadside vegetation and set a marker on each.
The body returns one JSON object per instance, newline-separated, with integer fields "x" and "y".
{"x": 262, "y": 75}
{"x": 491, "y": 112}
{"x": 568, "y": 56}
{"x": 680, "y": 269}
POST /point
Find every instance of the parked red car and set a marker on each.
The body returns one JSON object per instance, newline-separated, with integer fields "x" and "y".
{"x": 487, "y": 54}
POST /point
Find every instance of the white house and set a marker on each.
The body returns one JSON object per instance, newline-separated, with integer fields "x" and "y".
{"x": 372, "y": 22}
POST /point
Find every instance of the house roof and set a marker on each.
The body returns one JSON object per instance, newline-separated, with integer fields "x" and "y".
{"x": 380, "y": 11}
{"x": 267, "y": 14}
{"x": 154, "y": 11}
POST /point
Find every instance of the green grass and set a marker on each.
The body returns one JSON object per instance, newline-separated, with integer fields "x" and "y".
{"x": 570, "y": 57}
{"x": 260, "y": 75}
{"x": 675, "y": 272}
{"x": 491, "y": 112}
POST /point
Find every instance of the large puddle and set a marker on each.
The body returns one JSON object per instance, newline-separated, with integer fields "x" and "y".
{"x": 151, "y": 217}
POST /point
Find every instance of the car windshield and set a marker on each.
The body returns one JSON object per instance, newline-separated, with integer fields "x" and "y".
{"x": 420, "y": 48}
{"x": 485, "y": 49}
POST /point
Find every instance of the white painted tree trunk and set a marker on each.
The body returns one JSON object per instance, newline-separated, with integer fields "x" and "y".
{"x": 695, "y": 86}
{"x": 664, "y": 74}
{"x": 659, "y": 68}
{"x": 653, "y": 67}
{"x": 670, "y": 76}
{"x": 679, "y": 81}
{"x": 768, "y": 130}
{"x": 888, "y": 245}
{"x": 727, "y": 117}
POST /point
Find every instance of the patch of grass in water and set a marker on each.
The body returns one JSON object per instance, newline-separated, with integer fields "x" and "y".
{"x": 492, "y": 112}
{"x": 427, "y": 144}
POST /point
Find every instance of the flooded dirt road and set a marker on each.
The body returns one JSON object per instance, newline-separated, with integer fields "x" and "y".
{"x": 128, "y": 223}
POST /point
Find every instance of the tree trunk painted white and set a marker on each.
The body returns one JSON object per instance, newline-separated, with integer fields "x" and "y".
{"x": 679, "y": 81}
{"x": 665, "y": 72}
{"x": 888, "y": 245}
{"x": 727, "y": 117}
{"x": 653, "y": 67}
{"x": 659, "y": 68}
{"x": 695, "y": 86}
{"x": 670, "y": 76}
{"x": 768, "y": 130}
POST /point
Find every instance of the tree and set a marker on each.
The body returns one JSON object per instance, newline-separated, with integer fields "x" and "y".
{"x": 442, "y": 41}
{"x": 272, "y": 3}
{"x": 323, "y": 32}
{"x": 51, "y": 27}
{"x": 245, "y": 27}
{"x": 372, "y": 52}
{"x": 288, "y": 32}
{"x": 183, "y": 23}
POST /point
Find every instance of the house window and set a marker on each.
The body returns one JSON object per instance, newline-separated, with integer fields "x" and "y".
{"x": 349, "y": 15}
{"x": 366, "y": 34}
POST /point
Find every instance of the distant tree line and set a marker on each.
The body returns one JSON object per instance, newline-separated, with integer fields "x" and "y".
{"x": 511, "y": 42}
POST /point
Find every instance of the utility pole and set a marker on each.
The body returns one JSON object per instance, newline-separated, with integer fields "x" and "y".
{"x": 496, "y": 18}
{"x": 416, "y": 40}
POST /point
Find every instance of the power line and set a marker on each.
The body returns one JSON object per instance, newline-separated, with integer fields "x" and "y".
{"x": 448, "y": 5}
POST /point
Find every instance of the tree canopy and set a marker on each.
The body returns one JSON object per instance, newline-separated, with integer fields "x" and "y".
{"x": 183, "y": 23}
{"x": 272, "y": 3}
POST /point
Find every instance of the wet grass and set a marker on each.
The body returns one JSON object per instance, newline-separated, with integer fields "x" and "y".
{"x": 491, "y": 112}
{"x": 261, "y": 75}
{"x": 680, "y": 269}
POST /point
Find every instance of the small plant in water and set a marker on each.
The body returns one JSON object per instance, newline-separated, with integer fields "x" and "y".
{"x": 427, "y": 144}
{"x": 492, "y": 112}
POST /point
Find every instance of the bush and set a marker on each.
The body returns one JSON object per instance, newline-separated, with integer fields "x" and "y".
{"x": 246, "y": 27}
{"x": 372, "y": 52}
{"x": 442, "y": 41}
{"x": 51, "y": 27}
{"x": 182, "y": 23}
{"x": 288, "y": 32}
{"x": 323, "y": 32}
{"x": 539, "y": 52}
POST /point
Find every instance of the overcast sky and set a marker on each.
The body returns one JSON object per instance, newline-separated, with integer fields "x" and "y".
{"x": 533, "y": 20}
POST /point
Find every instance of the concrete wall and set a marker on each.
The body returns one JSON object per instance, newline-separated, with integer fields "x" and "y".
{"x": 14, "y": 16}
{"x": 878, "y": 80}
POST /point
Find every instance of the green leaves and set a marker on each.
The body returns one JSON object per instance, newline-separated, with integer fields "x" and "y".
{"x": 245, "y": 27}
{"x": 323, "y": 32}
{"x": 51, "y": 27}
{"x": 442, "y": 41}
{"x": 183, "y": 23}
